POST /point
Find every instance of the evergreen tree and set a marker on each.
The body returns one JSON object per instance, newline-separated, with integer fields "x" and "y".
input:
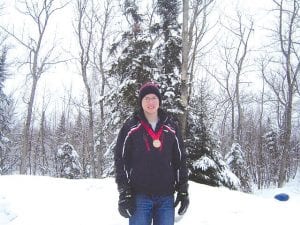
{"x": 272, "y": 149}
{"x": 205, "y": 163}
{"x": 4, "y": 101}
{"x": 68, "y": 160}
{"x": 134, "y": 65}
{"x": 79, "y": 139}
{"x": 236, "y": 161}
{"x": 4, "y": 119}
{"x": 149, "y": 54}
{"x": 61, "y": 132}
{"x": 168, "y": 53}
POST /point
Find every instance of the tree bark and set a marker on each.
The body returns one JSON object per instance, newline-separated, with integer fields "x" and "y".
{"x": 184, "y": 67}
{"x": 85, "y": 24}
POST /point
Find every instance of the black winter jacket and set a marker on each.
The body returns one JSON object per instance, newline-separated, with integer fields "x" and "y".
{"x": 145, "y": 169}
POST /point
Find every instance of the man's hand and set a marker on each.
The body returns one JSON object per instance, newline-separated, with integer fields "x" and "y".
{"x": 126, "y": 203}
{"x": 183, "y": 199}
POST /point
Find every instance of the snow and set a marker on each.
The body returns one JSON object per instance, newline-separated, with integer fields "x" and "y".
{"x": 36, "y": 200}
{"x": 204, "y": 163}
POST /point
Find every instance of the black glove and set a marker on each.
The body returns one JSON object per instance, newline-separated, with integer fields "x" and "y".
{"x": 183, "y": 198}
{"x": 126, "y": 203}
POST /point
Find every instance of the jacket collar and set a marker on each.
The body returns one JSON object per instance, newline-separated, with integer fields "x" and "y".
{"x": 162, "y": 116}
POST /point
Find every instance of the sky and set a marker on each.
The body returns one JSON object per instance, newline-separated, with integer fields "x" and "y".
{"x": 36, "y": 200}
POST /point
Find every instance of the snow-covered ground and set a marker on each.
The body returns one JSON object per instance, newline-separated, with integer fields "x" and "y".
{"x": 34, "y": 200}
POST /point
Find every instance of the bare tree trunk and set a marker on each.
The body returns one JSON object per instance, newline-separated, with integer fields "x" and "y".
{"x": 261, "y": 134}
{"x": 103, "y": 22}
{"x": 233, "y": 130}
{"x": 91, "y": 144}
{"x": 84, "y": 31}
{"x": 184, "y": 67}
{"x": 244, "y": 35}
{"x": 42, "y": 136}
{"x": 192, "y": 35}
{"x": 26, "y": 137}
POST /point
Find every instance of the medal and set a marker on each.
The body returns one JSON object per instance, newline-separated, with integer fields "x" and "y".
{"x": 156, "y": 143}
{"x": 154, "y": 135}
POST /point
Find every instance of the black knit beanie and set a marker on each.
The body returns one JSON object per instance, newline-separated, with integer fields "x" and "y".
{"x": 149, "y": 88}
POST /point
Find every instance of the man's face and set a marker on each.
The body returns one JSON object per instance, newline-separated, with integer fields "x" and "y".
{"x": 150, "y": 103}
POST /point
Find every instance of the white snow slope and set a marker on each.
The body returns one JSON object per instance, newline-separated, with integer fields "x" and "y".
{"x": 36, "y": 200}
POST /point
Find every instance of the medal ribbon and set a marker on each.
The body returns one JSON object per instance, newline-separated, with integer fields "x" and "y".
{"x": 153, "y": 135}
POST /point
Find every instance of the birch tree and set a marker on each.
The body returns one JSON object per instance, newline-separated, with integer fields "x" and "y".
{"x": 101, "y": 62}
{"x": 194, "y": 29}
{"x": 184, "y": 66}
{"x": 84, "y": 30}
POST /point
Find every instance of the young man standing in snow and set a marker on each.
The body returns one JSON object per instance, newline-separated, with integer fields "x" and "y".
{"x": 150, "y": 163}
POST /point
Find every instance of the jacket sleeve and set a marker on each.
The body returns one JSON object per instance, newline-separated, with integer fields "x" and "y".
{"x": 180, "y": 162}
{"x": 121, "y": 159}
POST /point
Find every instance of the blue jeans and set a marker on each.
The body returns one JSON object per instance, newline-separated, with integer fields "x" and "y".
{"x": 160, "y": 209}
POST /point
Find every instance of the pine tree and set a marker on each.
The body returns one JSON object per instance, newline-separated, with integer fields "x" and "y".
{"x": 149, "y": 54}
{"x": 205, "y": 163}
{"x": 3, "y": 98}
{"x": 135, "y": 64}
{"x": 79, "y": 139}
{"x": 4, "y": 120}
{"x": 272, "y": 149}
{"x": 68, "y": 159}
{"x": 236, "y": 161}
{"x": 61, "y": 130}
{"x": 168, "y": 54}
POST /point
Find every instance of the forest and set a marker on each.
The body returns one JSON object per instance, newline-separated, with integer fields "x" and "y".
{"x": 228, "y": 74}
